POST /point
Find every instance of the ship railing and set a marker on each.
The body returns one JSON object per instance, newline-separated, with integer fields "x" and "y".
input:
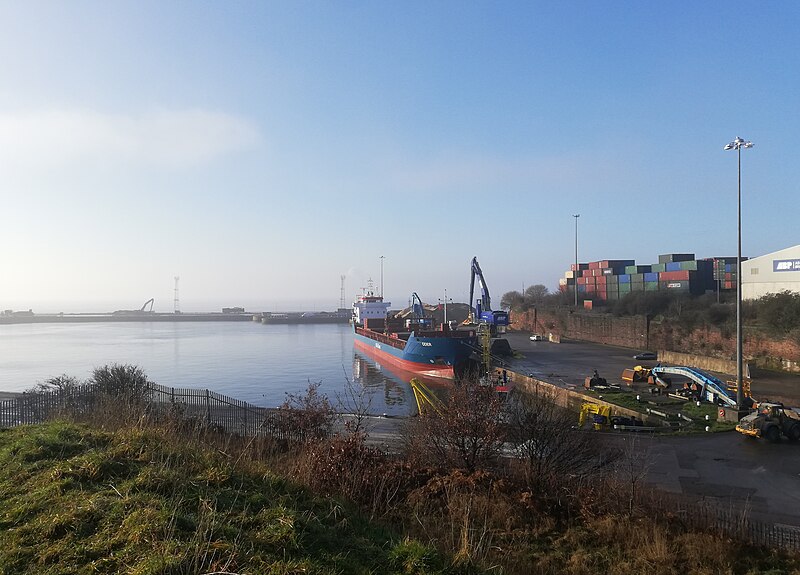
{"x": 392, "y": 341}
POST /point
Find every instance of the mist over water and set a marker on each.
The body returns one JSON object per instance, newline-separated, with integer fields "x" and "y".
{"x": 245, "y": 360}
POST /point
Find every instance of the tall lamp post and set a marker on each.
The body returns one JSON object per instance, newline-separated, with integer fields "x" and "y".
{"x": 575, "y": 284}
{"x": 737, "y": 145}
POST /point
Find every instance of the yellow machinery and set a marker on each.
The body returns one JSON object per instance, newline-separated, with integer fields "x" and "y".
{"x": 425, "y": 398}
{"x": 599, "y": 415}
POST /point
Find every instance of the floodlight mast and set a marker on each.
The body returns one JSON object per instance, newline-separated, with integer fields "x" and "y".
{"x": 737, "y": 145}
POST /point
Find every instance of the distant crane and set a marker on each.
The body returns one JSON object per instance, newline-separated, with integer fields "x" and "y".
{"x": 341, "y": 293}
{"x": 144, "y": 307}
{"x": 177, "y": 300}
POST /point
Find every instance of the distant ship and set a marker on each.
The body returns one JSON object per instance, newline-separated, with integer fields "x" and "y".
{"x": 412, "y": 343}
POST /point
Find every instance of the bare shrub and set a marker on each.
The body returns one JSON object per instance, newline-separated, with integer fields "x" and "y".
{"x": 545, "y": 440}
{"x": 307, "y": 416}
{"x": 346, "y": 466}
{"x": 467, "y": 434}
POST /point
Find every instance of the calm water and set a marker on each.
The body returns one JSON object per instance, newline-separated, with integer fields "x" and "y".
{"x": 249, "y": 361}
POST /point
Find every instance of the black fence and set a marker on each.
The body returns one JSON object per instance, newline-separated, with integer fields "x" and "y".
{"x": 199, "y": 407}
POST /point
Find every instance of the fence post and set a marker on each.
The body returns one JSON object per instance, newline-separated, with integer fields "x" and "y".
{"x": 208, "y": 409}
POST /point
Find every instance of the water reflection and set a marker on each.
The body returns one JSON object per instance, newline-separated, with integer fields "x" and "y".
{"x": 369, "y": 372}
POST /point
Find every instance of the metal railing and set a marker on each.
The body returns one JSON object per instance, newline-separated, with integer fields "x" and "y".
{"x": 200, "y": 407}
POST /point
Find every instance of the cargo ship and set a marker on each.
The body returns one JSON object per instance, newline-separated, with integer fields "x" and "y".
{"x": 412, "y": 343}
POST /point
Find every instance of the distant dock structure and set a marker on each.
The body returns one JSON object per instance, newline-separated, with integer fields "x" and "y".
{"x": 342, "y": 315}
{"x": 228, "y": 314}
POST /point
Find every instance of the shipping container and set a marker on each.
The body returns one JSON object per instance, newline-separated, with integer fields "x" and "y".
{"x": 616, "y": 263}
{"x": 669, "y": 258}
{"x": 677, "y": 276}
{"x": 612, "y": 280}
{"x": 579, "y": 267}
{"x": 600, "y": 280}
{"x": 569, "y": 275}
{"x": 562, "y": 281}
{"x": 673, "y": 267}
{"x": 624, "y": 279}
{"x": 676, "y": 285}
{"x": 638, "y": 269}
{"x": 651, "y": 286}
{"x": 637, "y": 278}
{"x": 586, "y": 273}
{"x": 651, "y": 277}
{"x": 593, "y": 265}
{"x": 658, "y": 268}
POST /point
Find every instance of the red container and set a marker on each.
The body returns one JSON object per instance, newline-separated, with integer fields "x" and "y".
{"x": 674, "y": 276}
{"x": 590, "y": 288}
{"x": 586, "y": 273}
{"x": 594, "y": 265}
{"x": 601, "y": 280}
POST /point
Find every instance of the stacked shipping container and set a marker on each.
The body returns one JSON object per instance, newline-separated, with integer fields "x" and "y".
{"x": 610, "y": 280}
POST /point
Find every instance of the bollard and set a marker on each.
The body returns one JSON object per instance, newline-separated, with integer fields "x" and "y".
{"x": 708, "y": 428}
{"x": 698, "y": 404}
{"x": 707, "y": 417}
{"x": 638, "y": 398}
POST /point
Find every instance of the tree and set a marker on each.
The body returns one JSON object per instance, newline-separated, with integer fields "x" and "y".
{"x": 513, "y": 300}
{"x": 536, "y": 294}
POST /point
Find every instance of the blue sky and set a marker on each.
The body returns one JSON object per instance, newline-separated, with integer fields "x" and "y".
{"x": 259, "y": 150}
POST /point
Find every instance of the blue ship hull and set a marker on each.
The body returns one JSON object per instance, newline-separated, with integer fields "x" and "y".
{"x": 435, "y": 355}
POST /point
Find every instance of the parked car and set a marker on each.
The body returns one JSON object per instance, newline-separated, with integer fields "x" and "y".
{"x": 537, "y": 337}
{"x": 646, "y": 355}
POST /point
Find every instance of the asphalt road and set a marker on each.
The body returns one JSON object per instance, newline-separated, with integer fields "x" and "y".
{"x": 729, "y": 467}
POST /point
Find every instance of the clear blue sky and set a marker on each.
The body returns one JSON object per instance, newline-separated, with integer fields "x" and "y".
{"x": 259, "y": 150}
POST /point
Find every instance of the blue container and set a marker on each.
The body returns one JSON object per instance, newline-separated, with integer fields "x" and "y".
{"x": 625, "y": 279}
{"x": 673, "y": 266}
{"x": 652, "y": 276}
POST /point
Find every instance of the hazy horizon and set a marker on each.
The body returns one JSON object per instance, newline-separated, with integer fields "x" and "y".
{"x": 261, "y": 150}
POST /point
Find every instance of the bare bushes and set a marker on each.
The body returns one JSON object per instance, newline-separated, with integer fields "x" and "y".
{"x": 308, "y": 416}
{"x": 544, "y": 439}
{"x": 467, "y": 435}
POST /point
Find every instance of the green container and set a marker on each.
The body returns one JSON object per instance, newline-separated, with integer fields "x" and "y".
{"x": 638, "y": 286}
{"x": 690, "y": 266}
{"x": 637, "y": 278}
{"x": 650, "y": 286}
{"x": 612, "y": 280}
{"x": 659, "y": 267}
{"x": 624, "y": 288}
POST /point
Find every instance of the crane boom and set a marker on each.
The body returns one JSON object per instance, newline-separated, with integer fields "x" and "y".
{"x": 481, "y": 309}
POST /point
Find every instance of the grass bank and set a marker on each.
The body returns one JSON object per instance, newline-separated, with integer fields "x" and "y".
{"x": 79, "y": 500}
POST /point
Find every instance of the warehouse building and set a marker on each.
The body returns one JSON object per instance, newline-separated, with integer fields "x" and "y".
{"x": 771, "y": 273}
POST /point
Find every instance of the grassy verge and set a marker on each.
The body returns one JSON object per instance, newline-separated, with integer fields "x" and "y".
{"x": 78, "y": 500}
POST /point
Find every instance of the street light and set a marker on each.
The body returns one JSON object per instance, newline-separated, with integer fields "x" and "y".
{"x": 737, "y": 145}
{"x": 575, "y": 283}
